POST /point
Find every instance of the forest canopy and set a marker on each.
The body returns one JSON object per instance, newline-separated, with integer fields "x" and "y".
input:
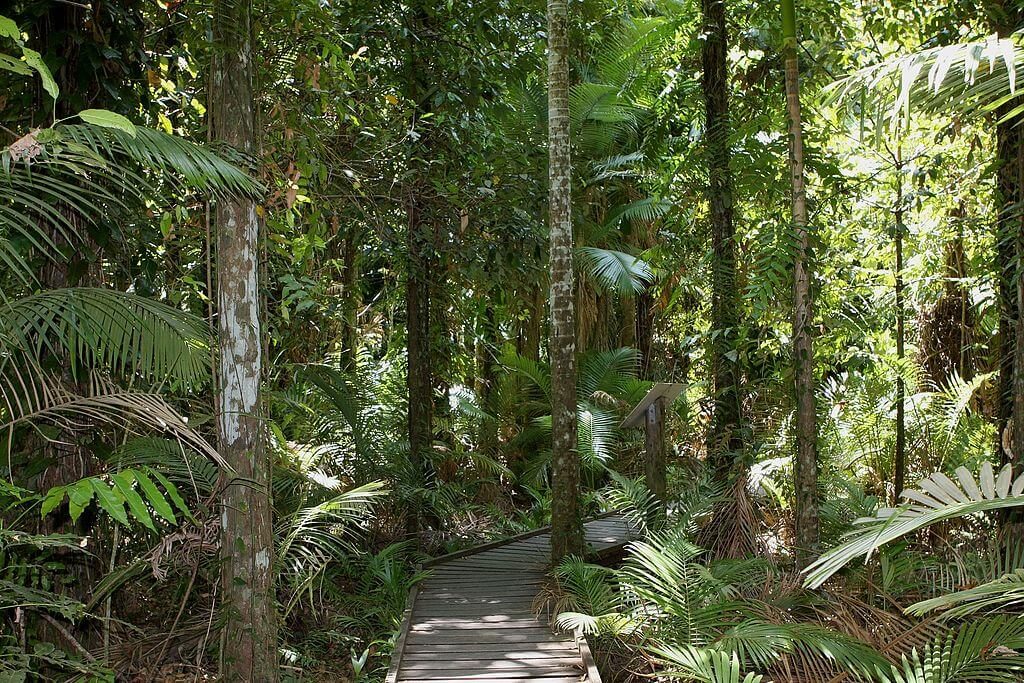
{"x": 512, "y": 340}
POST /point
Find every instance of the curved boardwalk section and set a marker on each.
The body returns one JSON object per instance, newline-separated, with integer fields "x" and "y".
{"x": 472, "y": 619}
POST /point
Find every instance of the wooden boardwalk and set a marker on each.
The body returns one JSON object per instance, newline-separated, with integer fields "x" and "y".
{"x": 472, "y": 619}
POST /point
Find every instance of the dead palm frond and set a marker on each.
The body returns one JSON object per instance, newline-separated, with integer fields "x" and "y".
{"x": 30, "y": 395}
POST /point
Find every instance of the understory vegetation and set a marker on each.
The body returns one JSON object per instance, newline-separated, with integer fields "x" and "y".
{"x": 296, "y": 296}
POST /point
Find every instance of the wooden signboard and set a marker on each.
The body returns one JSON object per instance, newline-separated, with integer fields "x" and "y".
{"x": 650, "y": 413}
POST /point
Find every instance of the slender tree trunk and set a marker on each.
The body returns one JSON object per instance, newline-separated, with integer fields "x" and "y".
{"x": 566, "y": 524}
{"x": 421, "y": 267}
{"x": 805, "y": 464}
{"x": 644, "y": 320}
{"x": 486, "y": 349}
{"x": 1004, "y": 17}
{"x": 351, "y": 300}
{"x": 419, "y": 379}
{"x": 1012, "y": 526}
{"x": 725, "y": 438}
{"x": 900, "y": 461}
{"x": 249, "y": 639}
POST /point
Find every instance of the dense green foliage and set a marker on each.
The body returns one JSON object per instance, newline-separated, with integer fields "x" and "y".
{"x": 402, "y": 149}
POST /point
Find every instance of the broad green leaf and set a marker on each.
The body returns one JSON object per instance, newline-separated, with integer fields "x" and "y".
{"x": 124, "y": 481}
{"x": 172, "y": 492}
{"x": 35, "y": 60}
{"x": 9, "y": 63}
{"x": 79, "y": 496}
{"x": 54, "y": 497}
{"x": 108, "y": 119}
{"x": 155, "y": 498}
{"x": 8, "y": 29}
{"x": 110, "y": 501}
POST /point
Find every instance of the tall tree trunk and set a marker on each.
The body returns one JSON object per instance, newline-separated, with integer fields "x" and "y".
{"x": 900, "y": 461}
{"x": 1004, "y": 17}
{"x": 420, "y": 268}
{"x": 351, "y": 301}
{"x": 249, "y": 639}
{"x": 419, "y": 378}
{"x": 805, "y": 464}
{"x": 724, "y": 439}
{"x": 566, "y": 524}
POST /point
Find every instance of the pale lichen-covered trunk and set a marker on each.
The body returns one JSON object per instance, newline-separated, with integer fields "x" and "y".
{"x": 249, "y": 638}
{"x": 725, "y": 438}
{"x": 805, "y": 464}
{"x": 566, "y": 524}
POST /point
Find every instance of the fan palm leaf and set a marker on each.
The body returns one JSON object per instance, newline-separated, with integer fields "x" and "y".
{"x": 616, "y": 271}
{"x": 938, "y": 499}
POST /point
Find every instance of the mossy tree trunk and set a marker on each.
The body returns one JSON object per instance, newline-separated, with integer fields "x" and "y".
{"x": 725, "y": 437}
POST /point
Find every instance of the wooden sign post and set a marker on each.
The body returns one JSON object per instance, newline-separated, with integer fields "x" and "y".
{"x": 651, "y": 413}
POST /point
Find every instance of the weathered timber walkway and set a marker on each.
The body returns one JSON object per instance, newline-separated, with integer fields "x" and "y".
{"x": 472, "y": 619}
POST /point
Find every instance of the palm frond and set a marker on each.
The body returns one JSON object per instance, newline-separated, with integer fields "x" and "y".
{"x": 938, "y": 499}
{"x": 983, "y": 650}
{"x": 704, "y": 665}
{"x": 30, "y": 396}
{"x": 312, "y": 537}
{"x": 973, "y": 77}
{"x": 122, "y": 332}
{"x": 616, "y": 271}
{"x": 192, "y": 165}
{"x": 1004, "y": 593}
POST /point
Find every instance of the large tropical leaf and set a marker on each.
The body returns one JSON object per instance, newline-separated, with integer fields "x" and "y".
{"x": 704, "y": 665}
{"x": 1004, "y": 593}
{"x": 32, "y": 396}
{"x": 312, "y": 537}
{"x": 939, "y": 498}
{"x": 122, "y": 332}
{"x": 616, "y": 271}
{"x": 181, "y": 161}
{"x": 973, "y": 77}
{"x": 56, "y": 181}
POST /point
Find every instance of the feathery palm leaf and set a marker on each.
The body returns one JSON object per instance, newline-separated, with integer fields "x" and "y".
{"x": 983, "y": 650}
{"x": 704, "y": 665}
{"x": 1006, "y": 592}
{"x": 122, "y": 332}
{"x": 966, "y": 77}
{"x": 29, "y": 395}
{"x": 310, "y": 538}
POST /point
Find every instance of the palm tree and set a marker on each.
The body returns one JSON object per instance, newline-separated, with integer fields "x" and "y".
{"x": 805, "y": 464}
{"x": 566, "y": 522}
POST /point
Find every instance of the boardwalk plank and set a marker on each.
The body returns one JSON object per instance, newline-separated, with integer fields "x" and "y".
{"x": 473, "y": 619}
